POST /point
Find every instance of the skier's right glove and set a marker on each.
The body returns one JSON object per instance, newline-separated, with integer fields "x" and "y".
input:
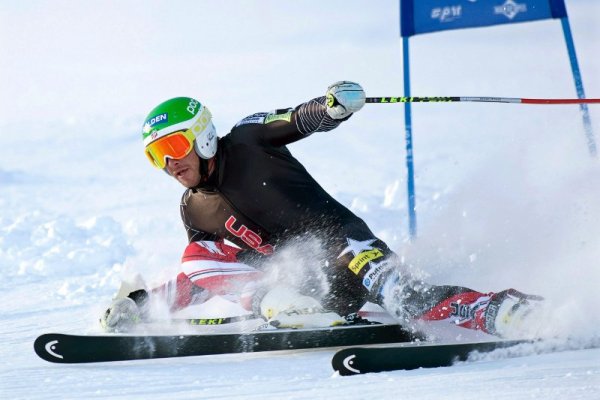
{"x": 344, "y": 98}
{"x": 124, "y": 313}
{"x": 283, "y": 307}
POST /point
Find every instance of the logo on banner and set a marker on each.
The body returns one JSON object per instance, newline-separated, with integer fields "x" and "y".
{"x": 510, "y": 9}
{"x": 446, "y": 14}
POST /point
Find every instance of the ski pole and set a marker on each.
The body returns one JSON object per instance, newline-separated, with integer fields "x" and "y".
{"x": 209, "y": 321}
{"x": 455, "y": 99}
{"x": 221, "y": 321}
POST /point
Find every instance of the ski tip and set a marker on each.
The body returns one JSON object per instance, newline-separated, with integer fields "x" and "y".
{"x": 344, "y": 362}
{"x": 48, "y": 347}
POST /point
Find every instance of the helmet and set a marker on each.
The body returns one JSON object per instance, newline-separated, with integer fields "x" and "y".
{"x": 176, "y": 126}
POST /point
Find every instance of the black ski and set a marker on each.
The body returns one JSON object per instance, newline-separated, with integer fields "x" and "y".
{"x": 63, "y": 348}
{"x": 361, "y": 360}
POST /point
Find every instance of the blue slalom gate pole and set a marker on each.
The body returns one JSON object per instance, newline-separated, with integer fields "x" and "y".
{"x": 412, "y": 212}
{"x": 587, "y": 122}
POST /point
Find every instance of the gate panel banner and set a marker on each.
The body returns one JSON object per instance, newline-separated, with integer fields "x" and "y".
{"x": 423, "y": 16}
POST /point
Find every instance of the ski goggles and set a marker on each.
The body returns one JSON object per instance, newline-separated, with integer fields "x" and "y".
{"x": 175, "y": 145}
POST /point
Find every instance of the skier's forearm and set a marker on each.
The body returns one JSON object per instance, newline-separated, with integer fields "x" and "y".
{"x": 312, "y": 117}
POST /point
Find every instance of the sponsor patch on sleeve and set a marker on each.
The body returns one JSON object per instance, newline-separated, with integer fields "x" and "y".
{"x": 258, "y": 118}
{"x": 279, "y": 115}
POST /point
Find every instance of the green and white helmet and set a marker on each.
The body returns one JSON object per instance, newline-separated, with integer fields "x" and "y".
{"x": 182, "y": 114}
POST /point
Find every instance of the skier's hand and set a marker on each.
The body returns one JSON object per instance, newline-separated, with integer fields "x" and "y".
{"x": 512, "y": 314}
{"x": 344, "y": 98}
{"x": 284, "y": 307}
{"x": 121, "y": 316}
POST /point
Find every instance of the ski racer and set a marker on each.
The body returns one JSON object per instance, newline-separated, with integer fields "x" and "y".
{"x": 247, "y": 189}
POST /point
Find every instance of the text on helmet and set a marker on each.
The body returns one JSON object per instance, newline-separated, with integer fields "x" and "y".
{"x": 192, "y": 105}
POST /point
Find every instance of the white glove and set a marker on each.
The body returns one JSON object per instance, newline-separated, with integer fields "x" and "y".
{"x": 121, "y": 316}
{"x": 512, "y": 314}
{"x": 284, "y": 298}
{"x": 344, "y": 98}
{"x": 284, "y": 307}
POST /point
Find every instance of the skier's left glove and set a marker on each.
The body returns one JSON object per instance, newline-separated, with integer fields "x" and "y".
{"x": 124, "y": 313}
{"x": 344, "y": 98}
{"x": 512, "y": 314}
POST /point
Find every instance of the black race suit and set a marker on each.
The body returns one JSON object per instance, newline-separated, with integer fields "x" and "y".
{"x": 262, "y": 199}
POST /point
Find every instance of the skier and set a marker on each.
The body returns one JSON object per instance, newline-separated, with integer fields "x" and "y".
{"x": 246, "y": 188}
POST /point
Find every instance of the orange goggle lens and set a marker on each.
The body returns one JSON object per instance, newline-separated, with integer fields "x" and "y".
{"x": 175, "y": 145}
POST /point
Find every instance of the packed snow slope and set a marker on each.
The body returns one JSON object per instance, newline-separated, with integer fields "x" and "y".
{"x": 507, "y": 195}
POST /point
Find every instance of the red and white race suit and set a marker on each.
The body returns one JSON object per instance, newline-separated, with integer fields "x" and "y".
{"x": 210, "y": 269}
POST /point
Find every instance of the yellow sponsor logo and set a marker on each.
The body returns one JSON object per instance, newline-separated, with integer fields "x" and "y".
{"x": 362, "y": 259}
{"x": 330, "y": 100}
{"x": 278, "y": 117}
{"x": 202, "y": 121}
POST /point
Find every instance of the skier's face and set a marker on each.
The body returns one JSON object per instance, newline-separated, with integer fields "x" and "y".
{"x": 186, "y": 170}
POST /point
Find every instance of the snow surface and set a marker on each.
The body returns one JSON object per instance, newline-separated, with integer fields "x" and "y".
{"x": 507, "y": 195}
